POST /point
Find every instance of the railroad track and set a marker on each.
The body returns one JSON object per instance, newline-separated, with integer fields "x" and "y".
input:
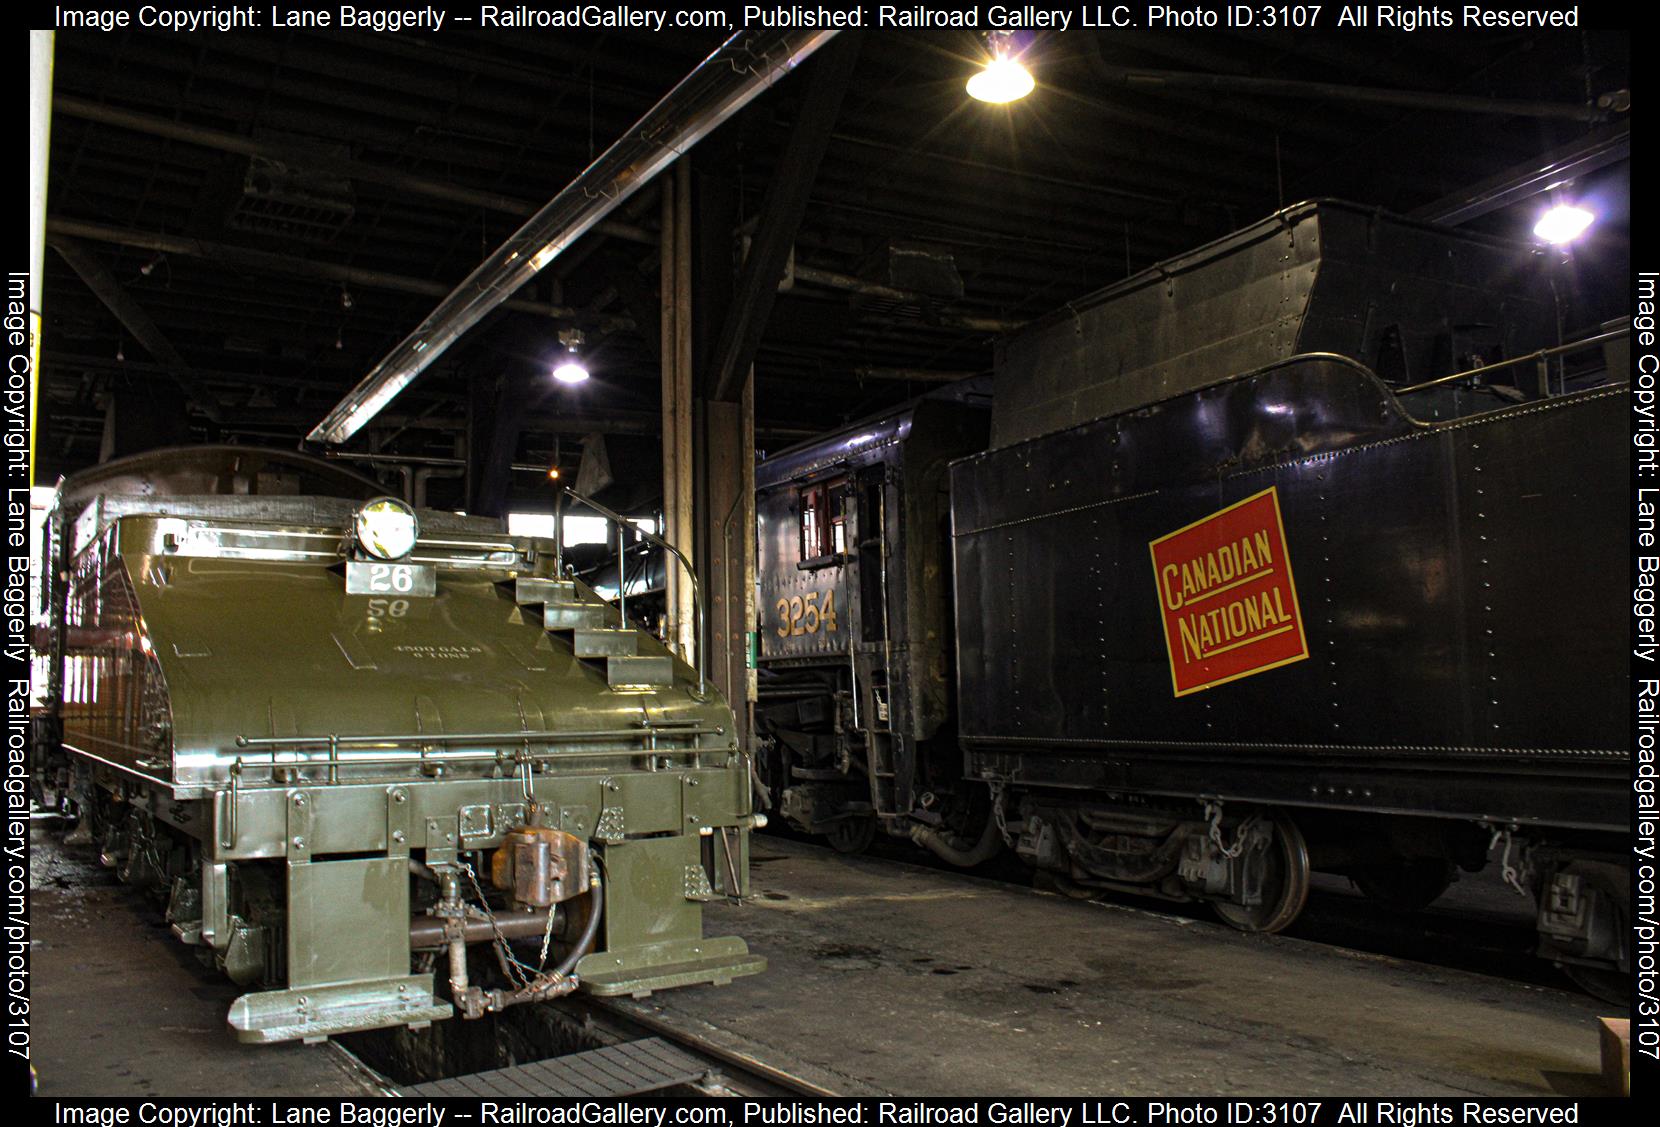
{"x": 633, "y": 1054}
{"x": 739, "y": 1073}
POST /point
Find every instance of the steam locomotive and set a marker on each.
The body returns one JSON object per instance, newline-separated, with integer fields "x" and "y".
{"x": 1302, "y": 551}
{"x": 351, "y": 744}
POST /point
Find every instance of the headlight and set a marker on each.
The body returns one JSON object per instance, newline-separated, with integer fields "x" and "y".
{"x": 386, "y": 527}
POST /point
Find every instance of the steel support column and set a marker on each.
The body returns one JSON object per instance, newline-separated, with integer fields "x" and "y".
{"x": 726, "y": 529}
{"x": 781, "y": 213}
{"x": 675, "y": 281}
{"x": 40, "y": 131}
{"x": 723, "y": 430}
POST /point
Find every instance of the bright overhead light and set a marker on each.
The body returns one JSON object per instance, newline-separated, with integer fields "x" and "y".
{"x": 1004, "y": 78}
{"x": 571, "y": 369}
{"x": 1563, "y": 224}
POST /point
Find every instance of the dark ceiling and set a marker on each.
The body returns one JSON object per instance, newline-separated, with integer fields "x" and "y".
{"x": 406, "y": 158}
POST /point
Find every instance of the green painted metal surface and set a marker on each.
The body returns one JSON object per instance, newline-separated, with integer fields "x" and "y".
{"x": 221, "y": 681}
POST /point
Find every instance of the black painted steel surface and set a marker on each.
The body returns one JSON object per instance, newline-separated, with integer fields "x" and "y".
{"x": 1408, "y": 299}
{"x": 1460, "y": 586}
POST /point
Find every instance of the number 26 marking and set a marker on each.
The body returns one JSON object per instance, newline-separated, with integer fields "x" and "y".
{"x": 390, "y": 577}
{"x": 798, "y": 615}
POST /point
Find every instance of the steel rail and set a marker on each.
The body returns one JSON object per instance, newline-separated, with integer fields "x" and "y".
{"x": 730, "y": 1060}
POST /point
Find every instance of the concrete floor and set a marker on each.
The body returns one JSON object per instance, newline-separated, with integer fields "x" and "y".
{"x": 121, "y": 1008}
{"x": 884, "y": 978}
{"x": 888, "y": 978}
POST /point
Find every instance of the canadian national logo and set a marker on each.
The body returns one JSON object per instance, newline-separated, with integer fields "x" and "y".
{"x": 1227, "y": 597}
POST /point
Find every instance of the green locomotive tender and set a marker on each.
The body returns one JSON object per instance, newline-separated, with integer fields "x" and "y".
{"x": 352, "y": 743}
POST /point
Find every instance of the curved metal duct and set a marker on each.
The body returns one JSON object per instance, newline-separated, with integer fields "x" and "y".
{"x": 745, "y": 66}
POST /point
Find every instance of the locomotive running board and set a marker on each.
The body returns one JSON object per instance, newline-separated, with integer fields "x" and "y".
{"x": 315, "y": 1013}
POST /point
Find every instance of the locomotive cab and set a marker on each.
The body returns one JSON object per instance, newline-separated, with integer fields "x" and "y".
{"x": 854, "y": 712}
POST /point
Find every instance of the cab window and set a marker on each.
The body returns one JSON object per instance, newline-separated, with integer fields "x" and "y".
{"x": 823, "y": 511}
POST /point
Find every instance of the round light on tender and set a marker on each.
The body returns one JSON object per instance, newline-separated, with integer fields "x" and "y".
{"x": 386, "y": 528}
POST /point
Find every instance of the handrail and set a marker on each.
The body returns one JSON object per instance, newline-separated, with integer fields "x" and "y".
{"x": 1538, "y": 357}
{"x": 548, "y": 735}
{"x": 622, "y": 579}
{"x": 524, "y": 759}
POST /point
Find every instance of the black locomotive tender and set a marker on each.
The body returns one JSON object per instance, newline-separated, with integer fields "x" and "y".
{"x": 1225, "y": 595}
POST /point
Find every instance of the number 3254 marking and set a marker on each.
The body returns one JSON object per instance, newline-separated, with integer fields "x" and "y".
{"x": 806, "y": 615}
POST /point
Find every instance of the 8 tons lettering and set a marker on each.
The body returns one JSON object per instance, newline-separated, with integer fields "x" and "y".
{"x": 1227, "y": 597}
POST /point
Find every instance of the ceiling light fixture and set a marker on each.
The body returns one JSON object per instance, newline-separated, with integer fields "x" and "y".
{"x": 571, "y": 369}
{"x": 1004, "y": 78}
{"x": 1563, "y": 223}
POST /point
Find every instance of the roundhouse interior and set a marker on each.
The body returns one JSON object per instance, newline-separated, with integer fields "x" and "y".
{"x": 548, "y": 541}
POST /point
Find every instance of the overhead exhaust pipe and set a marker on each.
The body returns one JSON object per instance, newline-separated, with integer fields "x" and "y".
{"x": 745, "y": 66}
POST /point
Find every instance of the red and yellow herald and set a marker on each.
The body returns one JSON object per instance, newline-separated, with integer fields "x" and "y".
{"x": 1227, "y": 596}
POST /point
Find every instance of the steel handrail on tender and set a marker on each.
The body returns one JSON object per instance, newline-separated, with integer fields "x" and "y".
{"x": 622, "y": 581}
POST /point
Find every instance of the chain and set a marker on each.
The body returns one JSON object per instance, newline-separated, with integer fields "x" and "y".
{"x": 547, "y": 938}
{"x": 1213, "y": 815}
{"x": 997, "y": 812}
{"x": 528, "y": 981}
{"x": 515, "y": 970}
{"x": 1512, "y": 873}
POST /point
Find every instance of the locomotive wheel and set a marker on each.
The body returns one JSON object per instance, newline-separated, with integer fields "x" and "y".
{"x": 1284, "y": 887}
{"x": 1045, "y": 880}
{"x": 1602, "y": 983}
{"x": 852, "y": 835}
{"x": 1069, "y": 888}
{"x": 1405, "y": 886}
